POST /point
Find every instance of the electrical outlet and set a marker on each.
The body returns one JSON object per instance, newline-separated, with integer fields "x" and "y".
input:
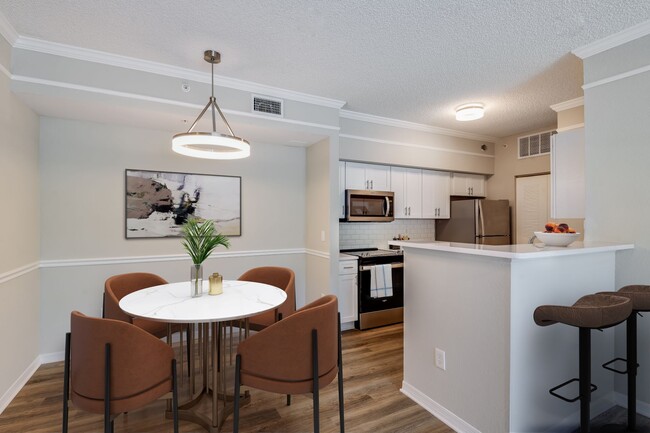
{"x": 440, "y": 359}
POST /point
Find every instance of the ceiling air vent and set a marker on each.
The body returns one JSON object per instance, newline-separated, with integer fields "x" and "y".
{"x": 266, "y": 105}
{"x": 535, "y": 145}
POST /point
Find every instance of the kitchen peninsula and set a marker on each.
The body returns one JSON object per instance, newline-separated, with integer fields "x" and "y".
{"x": 475, "y": 303}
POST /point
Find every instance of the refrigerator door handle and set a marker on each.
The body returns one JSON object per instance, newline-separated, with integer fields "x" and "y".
{"x": 480, "y": 222}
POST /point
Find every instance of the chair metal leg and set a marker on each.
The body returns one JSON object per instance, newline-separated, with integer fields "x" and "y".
{"x": 340, "y": 374}
{"x": 107, "y": 390}
{"x": 315, "y": 390}
{"x": 66, "y": 383}
{"x": 175, "y": 394}
{"x": 235, "y": 427}
{"x": 288, "y": 399}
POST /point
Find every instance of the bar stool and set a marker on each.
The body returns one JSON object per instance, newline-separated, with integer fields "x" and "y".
{"x": 639, "y": 295}
{"x": 596, "y": 311}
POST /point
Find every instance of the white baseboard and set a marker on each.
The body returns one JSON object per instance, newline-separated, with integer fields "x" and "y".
{"x": 15, "y": 388}
{"x": 568, "y": 424}
{"x": 440, "y": 412}
{"x": 46, "y": 358}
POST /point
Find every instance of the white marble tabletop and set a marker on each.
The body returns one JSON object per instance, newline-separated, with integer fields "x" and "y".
{"x": 173, "y": 303}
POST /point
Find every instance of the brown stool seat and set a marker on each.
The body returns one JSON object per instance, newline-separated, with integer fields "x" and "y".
{"x": 638, "y": 294}
{"x": 590, "y": 311}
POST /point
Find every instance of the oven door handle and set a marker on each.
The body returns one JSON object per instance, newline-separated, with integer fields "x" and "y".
{"x": 392, "y": 265}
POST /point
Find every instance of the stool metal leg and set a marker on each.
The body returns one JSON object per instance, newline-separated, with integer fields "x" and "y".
{"x": 631, "y": 371}
{"x": 585, "y": 378}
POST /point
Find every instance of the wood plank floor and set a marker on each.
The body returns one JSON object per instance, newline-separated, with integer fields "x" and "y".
{"x": 372, "y": 371}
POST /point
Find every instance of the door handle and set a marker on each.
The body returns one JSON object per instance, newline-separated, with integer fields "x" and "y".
{"x": 387, "y": 206}
{"x": 372, "y": 186}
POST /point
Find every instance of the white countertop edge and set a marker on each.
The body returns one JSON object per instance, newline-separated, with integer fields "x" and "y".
{"x": 519, "y": 251}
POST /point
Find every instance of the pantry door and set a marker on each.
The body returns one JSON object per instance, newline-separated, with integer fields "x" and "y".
{"x": 532, "y": 205}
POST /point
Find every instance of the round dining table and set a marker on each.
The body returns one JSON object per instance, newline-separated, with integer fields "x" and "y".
{"x": 173, "y": 303}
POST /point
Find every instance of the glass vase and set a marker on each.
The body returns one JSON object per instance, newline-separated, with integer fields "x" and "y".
{"x": 196, "y": 280}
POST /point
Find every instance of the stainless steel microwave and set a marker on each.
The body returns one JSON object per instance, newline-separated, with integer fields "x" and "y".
{"x": 368, "y": 205}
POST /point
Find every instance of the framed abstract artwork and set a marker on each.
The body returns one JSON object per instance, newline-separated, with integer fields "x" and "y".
{"x": 158, "y": 203}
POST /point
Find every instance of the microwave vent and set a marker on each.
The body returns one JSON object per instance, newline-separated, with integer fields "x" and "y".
{"x": 266, "y": 105}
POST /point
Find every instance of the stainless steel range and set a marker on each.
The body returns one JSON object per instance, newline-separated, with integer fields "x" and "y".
{"x": 381, "y": 287}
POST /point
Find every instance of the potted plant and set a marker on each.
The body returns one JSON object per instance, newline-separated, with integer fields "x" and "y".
{"x": 199, "y": 240}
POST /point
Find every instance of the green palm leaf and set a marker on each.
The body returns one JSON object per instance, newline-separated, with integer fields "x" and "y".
{"x": 201, "y": 238}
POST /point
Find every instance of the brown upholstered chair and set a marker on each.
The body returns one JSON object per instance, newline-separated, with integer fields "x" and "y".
{"x": 297, "y": 355}
{"x": 118, "y": 286}
{"x": 285, "y": 279}
{"x": 113, "y": 367}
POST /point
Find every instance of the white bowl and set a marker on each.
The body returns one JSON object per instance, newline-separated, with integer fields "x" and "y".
{"x": 557, "y": 239}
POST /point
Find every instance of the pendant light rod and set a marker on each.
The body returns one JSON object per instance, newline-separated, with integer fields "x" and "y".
{"x": 212, "y": 57}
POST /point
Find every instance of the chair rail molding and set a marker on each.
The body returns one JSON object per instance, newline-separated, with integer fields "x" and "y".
{"x": 17, "y": 272}
{"x": 163, "y": 258}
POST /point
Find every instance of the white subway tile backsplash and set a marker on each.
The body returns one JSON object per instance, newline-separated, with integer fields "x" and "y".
{"x": 377, "y": 235}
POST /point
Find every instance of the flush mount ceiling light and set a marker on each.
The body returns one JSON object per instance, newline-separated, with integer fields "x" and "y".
{"x": 468, "y": 112}
{"x": 211, "y": 145}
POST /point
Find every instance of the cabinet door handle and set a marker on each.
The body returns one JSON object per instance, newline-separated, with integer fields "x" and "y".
{"x": 372, "y": 186}
{"x": 409, "y": 210}
{"x": 367, "y": 185}
{"x": 406, "y": 212}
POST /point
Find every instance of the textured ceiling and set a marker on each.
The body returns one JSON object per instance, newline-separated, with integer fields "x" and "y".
{"x": 403, "y": 59}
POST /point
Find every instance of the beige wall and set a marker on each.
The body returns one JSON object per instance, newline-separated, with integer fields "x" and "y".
{"x": 507, "y": 166}
{"x": 571, "y": 117}
{"x": 82, "y": 212}
{"x": 318, "y": 224}
{"x": 617, "y": 134}
{"x": 19, "y": 255}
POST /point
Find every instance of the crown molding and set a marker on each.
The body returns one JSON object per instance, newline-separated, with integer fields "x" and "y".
{"x": 353, "y": 115}
{"x": 612, "y": 41}
{"x": 628, "y": 74}
{"x": 418, "y": 146}
{"x": 566, "y": 105}
{"x": 7, "y": 30}
{"x": 156, "y": 100}
{"x": 85, "y": 54}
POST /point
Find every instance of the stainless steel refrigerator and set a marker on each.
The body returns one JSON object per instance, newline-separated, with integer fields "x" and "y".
{"x": 476, "y": 221}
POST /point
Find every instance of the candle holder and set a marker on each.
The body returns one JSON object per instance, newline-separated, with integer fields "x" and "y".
{"x": 216, "y": 284}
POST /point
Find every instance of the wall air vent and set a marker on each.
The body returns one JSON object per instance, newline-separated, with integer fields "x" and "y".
{"x": 535, "y": 145}
{"x": 268, "y": 106}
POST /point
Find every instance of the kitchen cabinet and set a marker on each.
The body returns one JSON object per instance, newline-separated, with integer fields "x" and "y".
{"x": 341, "y": 189}
{"x": 435, "y": 194}
{"x": 568, "y": 174}
{"x": 472, "y": 185}
{"x": 367, "y": 176}
{"x": 406, "y": 183}
{"x": 348, "y": 288}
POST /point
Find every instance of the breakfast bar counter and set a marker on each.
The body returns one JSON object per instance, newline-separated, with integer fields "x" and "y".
{"x": 475, "y": 303}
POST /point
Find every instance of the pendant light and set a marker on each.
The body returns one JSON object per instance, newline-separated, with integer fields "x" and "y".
{"x": 211, "y": 145}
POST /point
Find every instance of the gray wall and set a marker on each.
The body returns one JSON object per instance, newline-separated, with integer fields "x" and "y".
{"x": 19, "y": 255}
{"x": 617, "y": 133}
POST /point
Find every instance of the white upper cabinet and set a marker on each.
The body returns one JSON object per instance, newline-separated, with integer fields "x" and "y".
{"x": 406, "y": 183}
{"x": 472, "y": 185}
{"x": 435, "y": 194}
{"x": 367, "y": 176}
{"x": 568, "y": 174}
